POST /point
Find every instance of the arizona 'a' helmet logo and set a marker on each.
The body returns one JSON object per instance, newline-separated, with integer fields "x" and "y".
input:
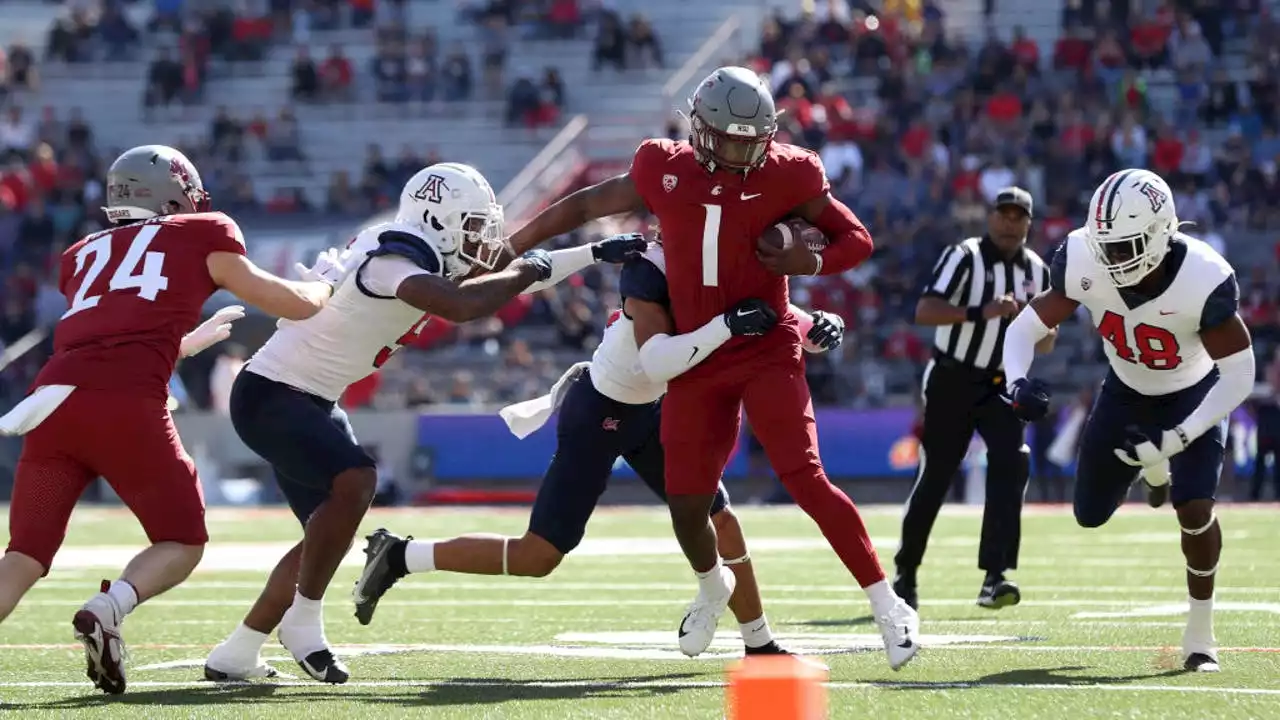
{"x": 1155, "y": 196}
{"x": 432, "y": 190}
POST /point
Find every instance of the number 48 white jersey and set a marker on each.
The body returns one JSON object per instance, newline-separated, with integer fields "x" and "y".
{"x": 360, "y": 327}
{"x": 1152, "y": 342}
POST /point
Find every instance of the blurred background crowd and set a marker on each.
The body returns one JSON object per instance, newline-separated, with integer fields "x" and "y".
{"x": 917, "y": 125}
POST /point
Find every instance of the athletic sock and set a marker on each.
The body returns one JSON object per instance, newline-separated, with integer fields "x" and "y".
{"x": 882, "y": 597}
{"x": 756, "y": 633}
{"x": 244, "y": 641}
{"x": 710, "y": 583}
{"x": 301, "y": 630}
{"x": 124, "y": 595}
{"x": 419, "y": 556}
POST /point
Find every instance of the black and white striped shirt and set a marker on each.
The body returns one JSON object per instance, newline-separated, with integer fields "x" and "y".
{"x": 971, "y": 274}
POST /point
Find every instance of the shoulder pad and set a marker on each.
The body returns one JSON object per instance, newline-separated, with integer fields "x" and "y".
{"x": 644, "y": 278}
{"x": 411, "y": 247}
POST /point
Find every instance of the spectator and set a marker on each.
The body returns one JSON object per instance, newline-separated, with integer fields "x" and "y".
{"x": 284, "y": 140}
{"x": 494, "y": 46}
{"x": 646, "y": 49}
{"x": 306, "y": 79}
{"x": 455, "y": 75}
{"x": 341, "y": 198}
{"x": 17, "y": 134}
{"x": 611, "y": 43}
{"x": 336, "y": 75}
{"x": 390, "y": 73}
{"x": 164, "y": 80}
{"x": 118, "y": 35}
{"x": 35, "y": 233}
{"x": 20, "y": 65}
{"x": 564, "y": 19}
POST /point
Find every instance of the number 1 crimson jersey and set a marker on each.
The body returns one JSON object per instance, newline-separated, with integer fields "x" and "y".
{"x": 134, "y": 291}
{"x": 710, "y": 223}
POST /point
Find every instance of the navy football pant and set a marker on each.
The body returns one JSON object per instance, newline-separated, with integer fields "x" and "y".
{"x": 592, "y": 432}
{"x": 307, "y": 440}
{"x": 1103, "y": 480}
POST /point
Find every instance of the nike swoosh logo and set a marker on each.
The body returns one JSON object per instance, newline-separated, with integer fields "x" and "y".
{"x": 744, "y": 313}
{"x": 1168, "y": 312}
{"x": 681, "y": 631}
{"x": 693, "y": 354}
{"x": 745, "y": 196}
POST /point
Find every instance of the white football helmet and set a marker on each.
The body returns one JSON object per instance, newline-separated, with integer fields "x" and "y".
{"x": 1131, "y": 219}
{"x": 458, "y": 213}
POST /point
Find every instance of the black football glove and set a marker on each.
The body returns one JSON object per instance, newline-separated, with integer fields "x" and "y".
{"x": 828, "y": 330}
{"x": 750, "y": 317}
{"x": 540, "y": 260}
{"x": 617, "y": 249}
{"x": 1029, "y": 399}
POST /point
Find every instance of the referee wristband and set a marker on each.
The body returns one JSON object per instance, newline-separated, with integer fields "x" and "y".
{"x": 974, "y": 314}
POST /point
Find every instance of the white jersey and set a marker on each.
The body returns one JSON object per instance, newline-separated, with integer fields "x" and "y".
{"x": 1153, "y": 344}
{"x": 360, "y": 327}
{"x": 615, "y": 366}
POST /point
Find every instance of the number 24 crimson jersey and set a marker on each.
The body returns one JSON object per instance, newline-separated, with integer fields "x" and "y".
{"x": 134, "y": 291}
{"x": 710, "y": 223}
{"x": 1152, "y": 342}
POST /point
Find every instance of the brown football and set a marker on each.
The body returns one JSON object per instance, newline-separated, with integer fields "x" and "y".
{"x": 784, "y": 234}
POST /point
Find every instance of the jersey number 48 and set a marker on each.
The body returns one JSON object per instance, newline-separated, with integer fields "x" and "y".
{"x": 149, "y": 282}
{"x": 1157, "y": 347}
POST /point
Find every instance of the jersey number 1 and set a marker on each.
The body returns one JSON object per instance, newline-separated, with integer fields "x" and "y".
{"x": 149, "y": 282}
{"x": 711, "y": 246}
{"x": 1157, "y": 347}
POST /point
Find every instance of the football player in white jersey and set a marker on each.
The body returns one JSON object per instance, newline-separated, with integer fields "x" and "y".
{"x": 1181, "y": 360}
{"x": 609, "y": 408}
{"x": 284, "y": 402}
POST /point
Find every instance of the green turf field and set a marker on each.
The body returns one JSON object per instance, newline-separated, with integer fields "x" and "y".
{"x": 1096, "y": 635}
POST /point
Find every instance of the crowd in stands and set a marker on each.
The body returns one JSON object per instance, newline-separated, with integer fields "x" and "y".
{"x": 917, "y": 129}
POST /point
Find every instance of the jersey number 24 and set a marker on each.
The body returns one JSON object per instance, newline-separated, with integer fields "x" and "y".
{"x": 149, "y": 282}
{"x": 1157, "y": 347}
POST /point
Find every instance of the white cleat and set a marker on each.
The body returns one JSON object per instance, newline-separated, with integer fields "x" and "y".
{"x": 900, "y": 630}
{"x": 226, "y": 665}
{"x": 698, "y": 628}
{"x": 97, "y": 627}
{"x": 1199, "y": 654}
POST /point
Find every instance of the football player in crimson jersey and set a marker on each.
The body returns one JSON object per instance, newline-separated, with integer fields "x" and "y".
{"x": 98, "y": 407}
{"x": 1181, "y": 360}
{"x": 714, "y": 195}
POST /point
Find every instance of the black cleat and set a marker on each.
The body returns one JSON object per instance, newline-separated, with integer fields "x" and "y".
{"x": 904, "y": 586}
{"x": 999, "y": 594}
{"x": 773, "y": 648}
{"x": 326, "y": 668}
{"x": 1200, "y": 662}
{"x": 378, "y": 576}
{"x": 1157, "y": 495}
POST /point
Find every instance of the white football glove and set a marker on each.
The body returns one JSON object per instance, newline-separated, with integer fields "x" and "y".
{"x": 211, "y": 331}
{"x": 1139, "y": 450}
{"x": 328, "y": 269}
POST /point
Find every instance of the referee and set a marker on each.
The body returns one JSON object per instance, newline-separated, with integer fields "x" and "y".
{"x": 977, "y": 287}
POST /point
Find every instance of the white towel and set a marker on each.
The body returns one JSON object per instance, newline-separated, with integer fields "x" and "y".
{"x": 34, "y": 409}
{"x": 523, "y": 418}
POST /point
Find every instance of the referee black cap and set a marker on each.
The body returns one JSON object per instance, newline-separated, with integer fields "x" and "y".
{"x": 1014, "y": 196}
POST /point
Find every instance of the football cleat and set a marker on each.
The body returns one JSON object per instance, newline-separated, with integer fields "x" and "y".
{"x": 698, "y": 628}
{"x": 999, "y": 594}
{"x": 320, "y": 664}
{"x": 258, "y": 671}
{"x": 1199, "y": 648}
{"x": 97, "y": 627}
{"x": 1201, "y": 662}
{"x": 377, "y": 577}
{"x": 323, "y": 666}
{"x": 224, "y": 664}
{"x": 900, "y": 630}
{"x": 772, "y": 648}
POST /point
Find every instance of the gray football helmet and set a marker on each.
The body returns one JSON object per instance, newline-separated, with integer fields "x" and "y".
{"x": 732, "y": 119}
{"x": 152, "y": 180}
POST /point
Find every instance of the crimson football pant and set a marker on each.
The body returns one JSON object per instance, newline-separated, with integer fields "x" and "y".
{"x": 128, "y": 440}
{"x": 700, "y": 423}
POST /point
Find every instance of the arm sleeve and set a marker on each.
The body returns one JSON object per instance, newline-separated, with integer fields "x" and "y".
{"x": 563, "y": 264}
{"x": 643, "y": 280}
{"x": 225, "y": 236}
{"x": 1221, "y": 304}
{"x": 665, "y": 356}
{"x": 951, "y": 270}
{"x": 1020, "y": 343}
{"x": 1236, "y": 373}
{"x": 383, "y": 274}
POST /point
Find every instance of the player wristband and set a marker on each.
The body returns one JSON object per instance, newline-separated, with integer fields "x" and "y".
{"x": 974, "y": 314}
{"x": 818, "y": 269}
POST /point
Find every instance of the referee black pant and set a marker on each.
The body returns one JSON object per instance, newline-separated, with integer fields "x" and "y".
{"x": 959, "y": 400}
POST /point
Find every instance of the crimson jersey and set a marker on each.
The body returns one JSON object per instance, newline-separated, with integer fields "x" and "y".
{"x": 133, "y": 292}
{"x": 710, "y": 223}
